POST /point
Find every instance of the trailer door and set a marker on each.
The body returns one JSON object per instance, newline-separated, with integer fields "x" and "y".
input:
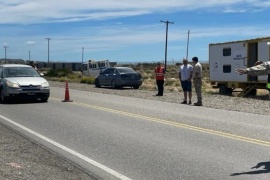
{"x": 263, "y": 55}
{"x": 252, "y": 58}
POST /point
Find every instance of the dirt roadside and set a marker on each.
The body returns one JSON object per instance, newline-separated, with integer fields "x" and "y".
{"x": 21, "y": 159}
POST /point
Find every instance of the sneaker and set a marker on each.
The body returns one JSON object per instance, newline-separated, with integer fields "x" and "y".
{"x": 189, "y": 102}
{"x": 184, "y": 102}
{"x": 198, "y": 104}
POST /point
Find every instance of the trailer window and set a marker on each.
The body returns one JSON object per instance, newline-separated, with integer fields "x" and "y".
{"x": 101, "y": 65}
{"x": 227, "y": 52}
{"x": 92, "y": 66}
{"x": 227, "y": 68}
{"x": 84, "y": 67}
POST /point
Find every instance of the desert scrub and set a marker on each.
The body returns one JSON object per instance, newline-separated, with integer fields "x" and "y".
{"x": 171, "y": 82}
{"x": 87, "y": 80}
{"x": 148, "y": 84}
{"x": 58, "y": 72}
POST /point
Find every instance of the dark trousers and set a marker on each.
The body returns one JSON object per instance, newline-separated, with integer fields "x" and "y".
{"x": 160, "y": 86}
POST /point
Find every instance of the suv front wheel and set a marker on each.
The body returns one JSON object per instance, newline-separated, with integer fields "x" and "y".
{"x": 4, "y": 99}
{"x": 113, "y": 84}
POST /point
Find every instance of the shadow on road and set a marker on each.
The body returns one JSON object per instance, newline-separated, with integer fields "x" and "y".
{"x": 266, "y": 169}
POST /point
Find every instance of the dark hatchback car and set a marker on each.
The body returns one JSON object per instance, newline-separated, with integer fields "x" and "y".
{"x": 118, "y": 77}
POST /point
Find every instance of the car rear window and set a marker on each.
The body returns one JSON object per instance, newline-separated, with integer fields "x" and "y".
{"x": 126, "y": 70}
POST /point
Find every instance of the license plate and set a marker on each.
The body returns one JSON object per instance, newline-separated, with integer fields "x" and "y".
{"x": 31, "y": 93}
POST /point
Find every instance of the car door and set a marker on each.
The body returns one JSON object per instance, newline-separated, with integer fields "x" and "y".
{"x": 111, "y": 76}
{"x": 103, "y": 77}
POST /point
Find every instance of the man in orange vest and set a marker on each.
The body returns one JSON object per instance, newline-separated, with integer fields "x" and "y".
{"x": 160, "y": 72}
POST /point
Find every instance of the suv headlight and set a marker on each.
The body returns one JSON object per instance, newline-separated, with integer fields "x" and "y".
{"x": 12, "y": 85}
{"x": 45, "y": 85}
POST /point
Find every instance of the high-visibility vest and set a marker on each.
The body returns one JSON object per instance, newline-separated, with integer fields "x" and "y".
{"x": 160, "y": 73}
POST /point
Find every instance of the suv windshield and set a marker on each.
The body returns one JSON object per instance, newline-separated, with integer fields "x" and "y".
{"x": 20, "y": 72}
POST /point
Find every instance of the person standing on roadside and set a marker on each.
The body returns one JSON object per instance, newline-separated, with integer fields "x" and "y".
{"x": 260, "y": 68}
{"x": 185, "y": 76}
{"x": 33, "y": 64}
{"x": 197, "y": 80}
{"x": 160, "y": 74}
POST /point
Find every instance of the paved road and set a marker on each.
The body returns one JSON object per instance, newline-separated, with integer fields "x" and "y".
{"x": 127, "y": 138}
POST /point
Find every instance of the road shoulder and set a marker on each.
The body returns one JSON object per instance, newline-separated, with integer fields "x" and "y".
{"x": 23, "y": 160}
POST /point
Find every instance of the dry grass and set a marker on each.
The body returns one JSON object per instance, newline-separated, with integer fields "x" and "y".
{"x": 172, "y": 83}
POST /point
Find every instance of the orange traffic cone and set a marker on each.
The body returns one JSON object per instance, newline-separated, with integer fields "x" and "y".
{"x": 67, "y": 99}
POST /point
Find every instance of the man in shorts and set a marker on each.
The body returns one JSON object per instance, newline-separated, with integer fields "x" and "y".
{"x": 185, "y": 76}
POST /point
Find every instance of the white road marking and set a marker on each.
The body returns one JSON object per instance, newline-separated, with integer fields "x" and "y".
{"x": 104, "y": 168}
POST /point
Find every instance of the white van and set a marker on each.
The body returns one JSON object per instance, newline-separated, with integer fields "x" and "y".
{"x": 92, "y": 68}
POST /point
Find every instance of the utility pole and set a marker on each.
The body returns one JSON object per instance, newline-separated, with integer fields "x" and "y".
{"x": 5, "y": 53}
{"x": 82, "y": 54}
{"x": 48, "y": 49}
{"x": 166, "y": 22}
{"x": 29, "y": 55}
{"x": 82, "y": 58}
{"x": 187, "y": 45}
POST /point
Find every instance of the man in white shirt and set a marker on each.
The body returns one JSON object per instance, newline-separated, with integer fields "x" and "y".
{"x": 185, "y": 76}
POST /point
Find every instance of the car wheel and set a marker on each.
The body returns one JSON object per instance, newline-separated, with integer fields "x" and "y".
{"x": 113, "y": 84}
{"x": 44, "y": 99}
{"x": 97, "y": 83}
{"x": 136, "y": 87}
{"x": 4, "y": 99}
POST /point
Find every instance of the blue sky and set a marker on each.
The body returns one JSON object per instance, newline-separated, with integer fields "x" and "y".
{"x": 126, "y": 30}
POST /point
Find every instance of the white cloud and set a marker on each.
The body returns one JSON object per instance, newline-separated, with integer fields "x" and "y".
{"x": 112, "y": 38}
{"x": 30, "y": 42}
{"x": 30, "y": 11}
{"x": 22, "y": 20}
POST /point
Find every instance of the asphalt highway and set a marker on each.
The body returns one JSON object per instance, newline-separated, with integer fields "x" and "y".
{"x": 119, "y": 137}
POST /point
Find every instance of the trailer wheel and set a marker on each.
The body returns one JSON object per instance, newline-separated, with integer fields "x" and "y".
{"x": 223, "y": 90}
{"x": 253, "y": 92}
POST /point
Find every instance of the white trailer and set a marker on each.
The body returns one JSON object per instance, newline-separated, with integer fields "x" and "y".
{"x": 92, "y": 68}
{"x": 224, "y": 58}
